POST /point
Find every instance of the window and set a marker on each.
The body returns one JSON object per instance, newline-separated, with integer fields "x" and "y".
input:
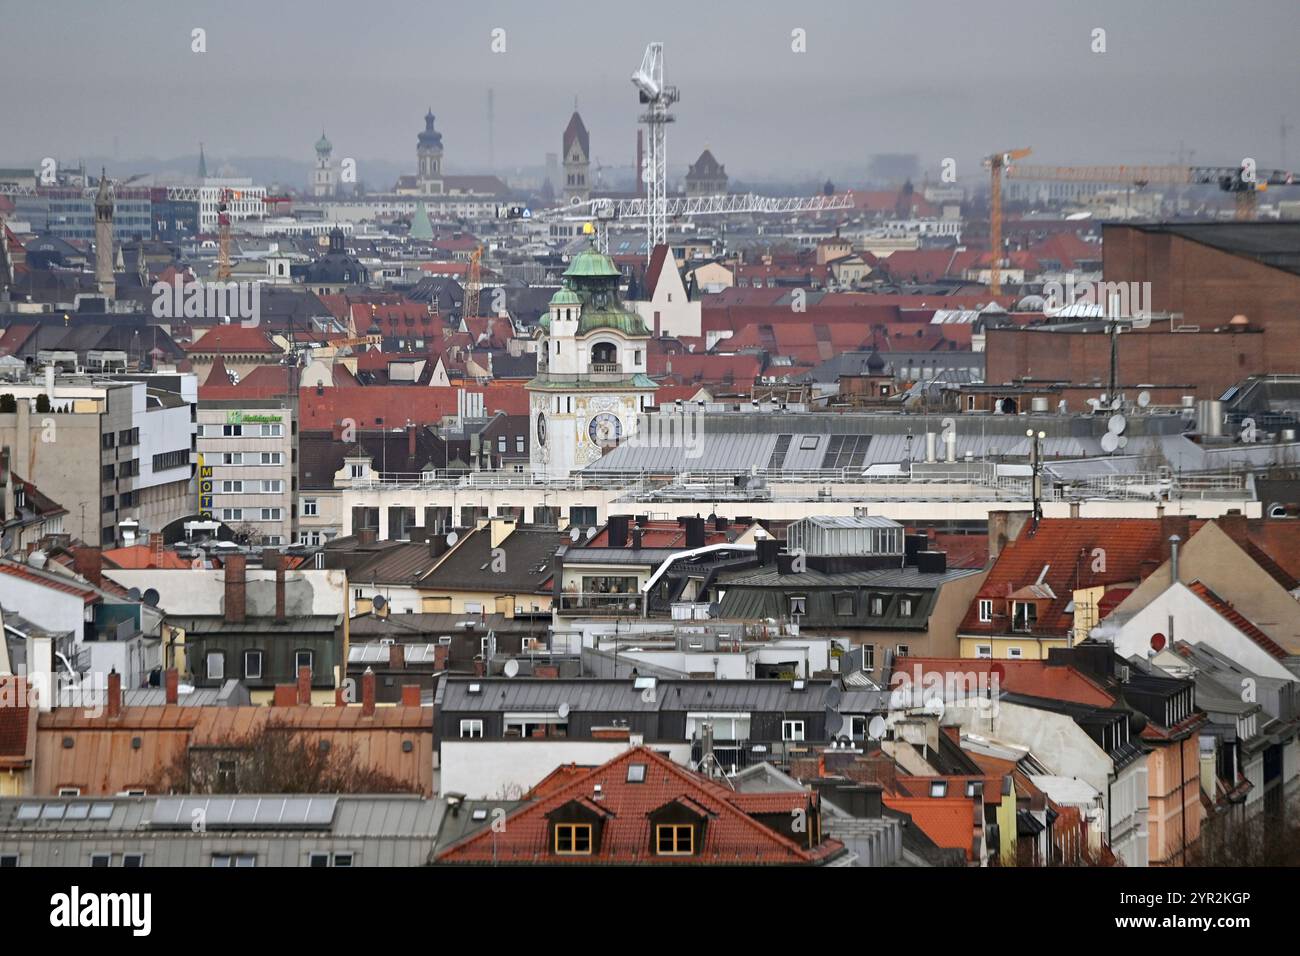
{"x": 253, "y": 665}
{"x": 792, "y": 730}
{"x": 232, "y": 514}
{"x": 232, "y": 487}
{"x": 357, "y": 471}
{"x": 270, "y": 514}
{"x": 1024, "y": 615}
{"x": 1015, "y": 653}
{"x": 798, "y": 604}
{"x": 501, "y": 444}
{"x": 675, "y": 839}
{"x": 232, "y": 431}
{"x": 471, "y": 729}
{"x": 636, "y": 773}
{"x": 868, "y": 657}
{"x": 343, "y": 859}
{"x": 133, "y": 859}
{"x": 108, "y": 473}
{"x": 309, "y": 509}
{"x": 8, "y": 861}
{"x": 272, "y": 458}
{"x": 272, "y": 486}
{"x": 905, "y": 607}
{"x": 939, "y": 788}
{"x": 984, "y": 650}
{"x": 232, "y": 458}
{"x": 108, "y": 440}
{"x": 69, "y": 791}
{"x": 844, "y": 605}
{"x": 272, "y": 431}
{"x": 519, "y": 444}
{"x": 318, "y": 860}
{"x": 101, "y": 859}
{"x": 573, "y": 839}
{"x": 302, "y": 659}
{"x": 877, "y": 606}
{"x": 902, "y": 650}
{"x": 986, "y": 610}
{"x": 234, "y": 859}
{"x": 216, "y": 665}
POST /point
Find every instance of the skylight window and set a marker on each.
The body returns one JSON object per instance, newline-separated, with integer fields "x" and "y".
{"x": 636, "y": 773}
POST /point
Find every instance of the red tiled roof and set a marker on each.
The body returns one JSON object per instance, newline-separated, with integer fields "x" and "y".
{"x": 948, "y": 821}
{"x": 731, "y": 836}
{"x": 233, "y": 337}
{"x": 141, "y": 556}
{"x": 1028, "y": 678}
{"x": 17, "y": 722}
{"x": 1065, "y": 547}
{"x": 1238, "y": 620}
{"x": 656, "y": 534}
{"x": 398, "y": 404}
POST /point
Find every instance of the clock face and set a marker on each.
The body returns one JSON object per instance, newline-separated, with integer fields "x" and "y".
{"x": 605, "y": 430}
{"x": 541, "y": 428}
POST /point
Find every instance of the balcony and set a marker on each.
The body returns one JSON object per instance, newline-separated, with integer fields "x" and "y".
{"x": 604, "y": 368}
{"x": 600, "y": 605}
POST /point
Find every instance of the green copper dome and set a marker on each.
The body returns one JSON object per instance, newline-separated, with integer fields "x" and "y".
{"x": 566, "y": 297}
{"x": 323, "y": 145}
{"x": 590, "y": 264}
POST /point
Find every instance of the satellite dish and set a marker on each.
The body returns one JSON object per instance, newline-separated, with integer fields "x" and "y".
{"x": 563, "y": 710}
{"x": 575, "y": 534}
{"x": 1109, "y": 442}
{"x": 150, "y": 597}
{"x": 1157, "y": 642}
{"x": 876, "y": 729}
{"x": 512, "y": 668}
{"x": 1122, "y": 441}
{"x": 378, "y": 603}
{"x": 833, "y": 695}
{"x": 452, "y": 538}
{"x": 1144, "y": 399}
{"x": 1117, "y": 424}
{"x": 591, "y": 533}
{"x": 834, "y": 722}
{"x": 133, "y": 594}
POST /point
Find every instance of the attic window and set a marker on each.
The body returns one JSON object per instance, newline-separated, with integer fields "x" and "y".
{"x": 939, "y": 788}
{"x": 636, "y": 773}
{"x": 1024, "y": 615}
{"x": 573, "y": 839}
{"x": 476, "y": 688}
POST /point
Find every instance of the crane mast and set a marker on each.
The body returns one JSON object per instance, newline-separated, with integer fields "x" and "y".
{"x": 657, "y": 98}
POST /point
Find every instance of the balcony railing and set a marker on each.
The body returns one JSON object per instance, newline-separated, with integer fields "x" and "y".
{"x": 600, "y": 605}
{"x": 604, "y": 368}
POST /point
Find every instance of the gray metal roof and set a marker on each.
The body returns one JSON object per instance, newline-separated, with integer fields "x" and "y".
{"x": 612, "y": 696}
{"x": 230, "y": 694}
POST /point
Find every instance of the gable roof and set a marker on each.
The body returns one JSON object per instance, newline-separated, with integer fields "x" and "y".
{"x": 731, "y": 836}
{"x": 1238, "y": 620}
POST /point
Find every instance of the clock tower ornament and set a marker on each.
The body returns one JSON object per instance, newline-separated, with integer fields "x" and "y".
{"x": 591, "y": 383}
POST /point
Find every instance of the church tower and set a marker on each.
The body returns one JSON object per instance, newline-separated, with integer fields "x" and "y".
{"x": 591, "y": 382}
{"x": 428, "y": 156}
{"x": 577, "y": 161}
{"x": 325, "y": 178}
{"x": 104, "y": 239}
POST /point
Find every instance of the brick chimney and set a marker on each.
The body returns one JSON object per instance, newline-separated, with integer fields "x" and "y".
{"x": 411, "y": 432}
{"x": 368, "y": 693}
{"x": 286, "y": 695}
{"x": 410, "y": 695}
{"x": 304, "y": 685}
{"x": 114, "y": 708}
{"x": 172, "y": 681}
{"x": 396, "y": 657}
{"x": 235, "y": 565}
{"x": 274, "y": 561}
{"x": 89, "y": 563}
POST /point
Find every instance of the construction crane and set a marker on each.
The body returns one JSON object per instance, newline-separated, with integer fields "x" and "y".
{"x": 657, "y": 97}
{"x": 996, "y": 164}
{"x": 473, "y": 284}
{"x": 223, "y": 233}
{"x": 1245, "y": 182}
{"x": 598, "y": 213}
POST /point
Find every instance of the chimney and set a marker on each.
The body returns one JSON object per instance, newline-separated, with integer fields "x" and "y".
{"x": 366, "y": 536}
{"x": 618, "y": 531}
{"x": 557, "y": 575}
{"x": 437, "y": 545}
{"x": 396, "y": 656}
{"x": 286, "y": 695}
{"x": 410, "y": 695}
{"x": 89, "y": 563}
{"x": 1174, "y": 541}
{"x": 172, "y": 680}
{"x": 695, "y": 532}
{"x": 636, "y": 537}
{"x": 304, "y": 685}
{"x": 368, "y": 693}
{"x": 766, "y": 550}
{"x": 929, "y": 447}
{"x": 235, "y": 596}
{"x": 410, "y": 443}
{"x": 114, "y": 693}
{"x": 1074, "y": 509}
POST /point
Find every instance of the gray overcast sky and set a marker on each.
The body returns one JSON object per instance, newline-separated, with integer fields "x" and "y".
{"x": 937, "y": 77}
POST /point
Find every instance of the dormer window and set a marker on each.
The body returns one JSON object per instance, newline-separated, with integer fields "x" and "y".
{"x": 1024, "y": 615}
{"x": 674, "y": 839}
{"x": 573, "y": 839}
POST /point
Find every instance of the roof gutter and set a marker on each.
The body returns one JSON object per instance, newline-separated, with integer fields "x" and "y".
{"x": 678, "y": 555}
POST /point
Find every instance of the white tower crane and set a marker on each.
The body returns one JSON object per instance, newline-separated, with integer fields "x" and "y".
{"x": 657, "y": 97}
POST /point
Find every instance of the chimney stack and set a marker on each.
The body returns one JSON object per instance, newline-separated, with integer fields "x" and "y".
{"x": 114, "y": 693}
{"x": 235, "y": 595}
{"x": 618, "y": 531}
{"x": 304, "y": 685}
{"x": 396, "y": 656}
{"x": 273, "y": 560}
{"x": 172, "y": 680}
{"x": 89, "y": 563}
{"x": 368, "y": 693}
{"x": 410, "y": 695}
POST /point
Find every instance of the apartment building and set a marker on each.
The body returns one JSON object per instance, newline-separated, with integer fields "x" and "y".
{"x": 247, "y": 470}
{"x": 107, "y": 450}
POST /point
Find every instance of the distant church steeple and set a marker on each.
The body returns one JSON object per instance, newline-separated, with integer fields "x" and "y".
{"x": 203, "y": 164}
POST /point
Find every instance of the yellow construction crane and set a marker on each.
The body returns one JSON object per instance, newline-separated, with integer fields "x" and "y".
{"x": 473, "y": 283}
{"x": 223, "y": 233}
{"x": 996, "y": 164}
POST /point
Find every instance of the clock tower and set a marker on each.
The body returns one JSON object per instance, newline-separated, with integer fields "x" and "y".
{"x": 591, "y": 382}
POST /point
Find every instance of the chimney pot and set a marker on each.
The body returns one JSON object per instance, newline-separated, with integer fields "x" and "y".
{"x": 114, "y": 693}
{"x": 235, "y": 565}
{"x": 368, "y": 693}
{"x": 410, "y": 695}
{"x": 396, "y": 656}
{"x": 304, "y": 685}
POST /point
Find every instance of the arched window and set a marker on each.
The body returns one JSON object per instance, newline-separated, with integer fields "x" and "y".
{"x": 604, "y": 353}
